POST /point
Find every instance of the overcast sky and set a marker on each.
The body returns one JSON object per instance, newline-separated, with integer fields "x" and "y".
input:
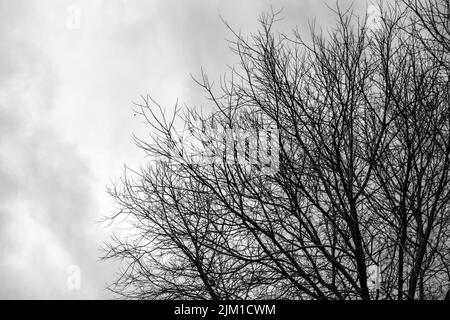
{"x": 66, "y": 120}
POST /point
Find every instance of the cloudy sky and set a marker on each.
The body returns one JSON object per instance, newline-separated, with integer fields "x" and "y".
{"x": 69, "y": 71}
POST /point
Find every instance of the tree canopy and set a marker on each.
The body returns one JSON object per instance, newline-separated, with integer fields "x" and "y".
{"x": 330, "y": 171}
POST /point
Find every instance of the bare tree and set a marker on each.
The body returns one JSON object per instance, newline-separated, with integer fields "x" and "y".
{"x": 432, "y": 18}
{"x": 361, "y": 151}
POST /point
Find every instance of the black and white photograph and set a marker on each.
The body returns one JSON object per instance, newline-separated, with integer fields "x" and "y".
{"x": 207, "y": 153}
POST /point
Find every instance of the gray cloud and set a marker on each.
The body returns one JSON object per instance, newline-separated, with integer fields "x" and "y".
{"x": 47, "y": 210}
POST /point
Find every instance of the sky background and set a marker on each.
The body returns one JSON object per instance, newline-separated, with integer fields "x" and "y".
{"x": 66, "y": 119}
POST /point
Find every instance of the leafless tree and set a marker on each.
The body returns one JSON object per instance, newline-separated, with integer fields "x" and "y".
{"x": 361, "y": 182}
{"x": 432, "y": 18}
